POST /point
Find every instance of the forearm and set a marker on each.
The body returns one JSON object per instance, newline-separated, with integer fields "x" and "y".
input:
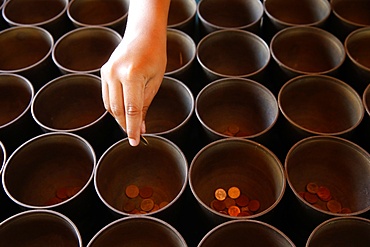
{"x": 147, "y": 18}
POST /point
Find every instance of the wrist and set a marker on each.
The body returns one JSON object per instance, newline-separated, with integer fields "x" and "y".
{"x": 148, "y": 17}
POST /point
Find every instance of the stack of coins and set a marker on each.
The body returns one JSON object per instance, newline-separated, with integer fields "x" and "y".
{"x": 234, "y": 203}
{"x": 140, "y": 200}
{"x": 320, "y": 197}
{"x": 234, "y": 130}
{"x": 62, "y": 194}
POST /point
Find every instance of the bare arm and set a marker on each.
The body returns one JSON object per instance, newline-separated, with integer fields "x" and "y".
{"x": 132, "y": 75}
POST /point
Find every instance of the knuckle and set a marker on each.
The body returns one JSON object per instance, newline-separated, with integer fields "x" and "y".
{"x": 132, "y": 110}
{"x": 116, "y": 111}
{"x": 105, "y": 70}
{"x": 134, "y": 73}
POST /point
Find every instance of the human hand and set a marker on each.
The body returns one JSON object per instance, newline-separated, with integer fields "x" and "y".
{"x": 133, "y": 74}
{"x": 130, "y": 80}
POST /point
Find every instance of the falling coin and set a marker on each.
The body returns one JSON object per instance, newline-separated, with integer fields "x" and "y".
{"x": 144, "y": 140}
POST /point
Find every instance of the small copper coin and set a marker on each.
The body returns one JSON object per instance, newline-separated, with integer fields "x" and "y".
{"x": 218, "y": 205}
{"x": 229, "y": 202}
{"x": 245, "y": 209}
{"x": 242, "y": 200}
{"x": 312, "y": 188}
{"x": 233, "y": 192}
{"x": 53, "y": 201}
{"x": 163, "y": 204}
{"x": 228, "y": 133}
{"x": 345, "y": 211}
{"x": 147, "y": 204}
{"x": 241, "y": 134}
{"x": 155, "y": 208}
{"x": 318, "y": 206}
{"x": 244, "y": 213}
{"x": 128, "y": 206}
{"x": 132, "y": 191}
{"x": 233, "y": 129}
{"x": 73, "y": 190}
{"x": 135, "y": 211}
{"x": 310, "y": 198}
{"x": 301, "y": 194}
{"x": 233, "y": 211}
{"x": 324, "y": 193}
{"x": 146, "y": 192}
{"x": 254, "y": 205}
{"x": 334, "y": 206}
{"x": 220, "y": 194}
{"x": 61, "y": 193}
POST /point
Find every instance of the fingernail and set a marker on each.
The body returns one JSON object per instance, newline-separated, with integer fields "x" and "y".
{"x": 133, "y": 142}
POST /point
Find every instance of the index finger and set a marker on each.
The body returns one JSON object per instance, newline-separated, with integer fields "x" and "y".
{"x": 133, "y": 97}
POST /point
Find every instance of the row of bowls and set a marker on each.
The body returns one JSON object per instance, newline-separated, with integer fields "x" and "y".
{"x": 40, "y": 166}
{"x": 155, "y": 232}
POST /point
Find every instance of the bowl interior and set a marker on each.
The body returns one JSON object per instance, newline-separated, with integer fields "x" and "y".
{"x": 158, "y": 165}
{"x": 246, "y": 165}
{"x": 339, "y": 165}
{"x": 39, "y": 169}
